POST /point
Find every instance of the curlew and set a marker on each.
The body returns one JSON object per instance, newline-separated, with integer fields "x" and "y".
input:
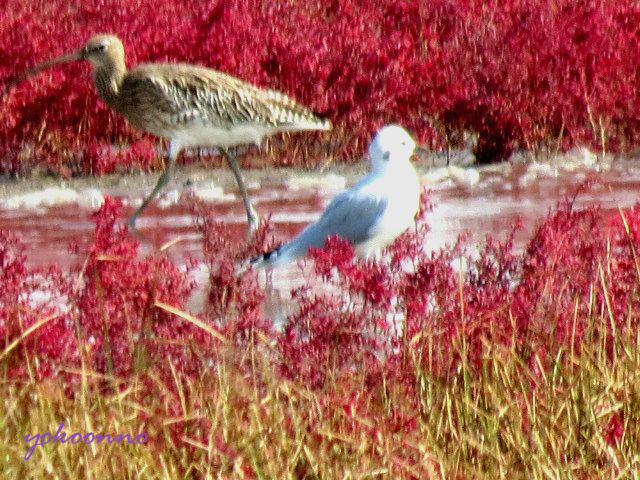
{"x": 191, "y": 106}
{"x": 372, "y": 213}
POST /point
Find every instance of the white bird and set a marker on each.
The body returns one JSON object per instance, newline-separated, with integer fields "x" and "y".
{"x": 372, "y": 213}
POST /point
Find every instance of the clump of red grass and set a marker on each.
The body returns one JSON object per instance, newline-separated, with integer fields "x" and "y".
{"x": 522, "y": 74}
{"x": 450, "y": 364}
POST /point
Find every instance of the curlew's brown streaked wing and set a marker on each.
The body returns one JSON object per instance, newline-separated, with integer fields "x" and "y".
{"x": 185, "y": 94}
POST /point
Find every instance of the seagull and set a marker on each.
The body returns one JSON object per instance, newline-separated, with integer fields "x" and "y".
{"x": 371, "y": 214}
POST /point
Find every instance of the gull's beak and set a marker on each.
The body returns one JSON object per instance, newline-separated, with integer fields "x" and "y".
{"x": 66, "y": 58}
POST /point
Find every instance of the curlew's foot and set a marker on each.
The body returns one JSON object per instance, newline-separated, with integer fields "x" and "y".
{"x": 131, "y": 223}
{"x": 253, "y": 221}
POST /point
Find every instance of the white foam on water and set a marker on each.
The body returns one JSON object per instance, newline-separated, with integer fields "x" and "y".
{"x": 464, "y": 177}
{"x": 295, "y": 217}
{"x": 435, "y": 176}
{"x": 445, "y": 177}
{"x": 211, "y": 192}
{"x": 578, "y": 157}
{"x": 90, "y": 198}
{"x": 252, "y": 185}
{"x": 536, "y": 171}
{"x": 49, "y": 197}
{"x": 132, "y": 201}
{"x": 169, "y": 199}
{"x": 331, "y": 181}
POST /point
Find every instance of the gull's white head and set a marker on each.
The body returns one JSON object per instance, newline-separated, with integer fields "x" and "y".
{"x": 392, "y": 143}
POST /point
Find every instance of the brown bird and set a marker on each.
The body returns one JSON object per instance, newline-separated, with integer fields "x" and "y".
{"x": 189, "y": 105}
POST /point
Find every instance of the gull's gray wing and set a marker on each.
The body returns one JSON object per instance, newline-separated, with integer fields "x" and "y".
{"x": 349, "y": 215}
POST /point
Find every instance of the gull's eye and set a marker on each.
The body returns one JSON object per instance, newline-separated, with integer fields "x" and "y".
{"x": 386, "y": 155}
{"x": 101, "y": 48}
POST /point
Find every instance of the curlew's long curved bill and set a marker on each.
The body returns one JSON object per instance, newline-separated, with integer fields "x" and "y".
{"x": 66, "y": 58}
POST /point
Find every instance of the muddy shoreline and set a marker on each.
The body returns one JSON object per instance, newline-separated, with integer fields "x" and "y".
{"x": 190, "y": 174}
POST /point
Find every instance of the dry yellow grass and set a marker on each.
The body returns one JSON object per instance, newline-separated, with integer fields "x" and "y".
{"x": 513, "y": 420}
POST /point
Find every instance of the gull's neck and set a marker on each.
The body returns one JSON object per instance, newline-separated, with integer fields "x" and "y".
{"x": 397, "y": 165}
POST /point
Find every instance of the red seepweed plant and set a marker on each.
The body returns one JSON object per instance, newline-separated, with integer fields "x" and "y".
{"x": 517, "y": 74}
{"x": 391, "y": 358}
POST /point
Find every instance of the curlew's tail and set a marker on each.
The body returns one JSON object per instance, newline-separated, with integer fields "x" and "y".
{"x": 300, "y": 124}
{"x": 293, "y": 116}
{"x": 323, "y": 124}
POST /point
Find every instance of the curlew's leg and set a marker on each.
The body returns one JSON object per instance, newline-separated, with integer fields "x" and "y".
{"x": 174, "y": 150}
{"x": 252, "y": 216}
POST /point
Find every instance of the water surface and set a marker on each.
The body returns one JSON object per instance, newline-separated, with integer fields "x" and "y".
{"x": 480, "y": 201}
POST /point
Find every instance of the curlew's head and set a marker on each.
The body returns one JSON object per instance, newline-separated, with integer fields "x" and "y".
{"x": 391, "y": 144}
{"x": 103, "y": 51}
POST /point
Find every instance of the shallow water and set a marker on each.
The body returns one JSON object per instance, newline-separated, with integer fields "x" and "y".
{"x": 478, "y": 200}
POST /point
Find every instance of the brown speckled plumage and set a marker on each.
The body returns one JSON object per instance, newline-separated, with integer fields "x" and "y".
{"x": 162, "y": 97}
